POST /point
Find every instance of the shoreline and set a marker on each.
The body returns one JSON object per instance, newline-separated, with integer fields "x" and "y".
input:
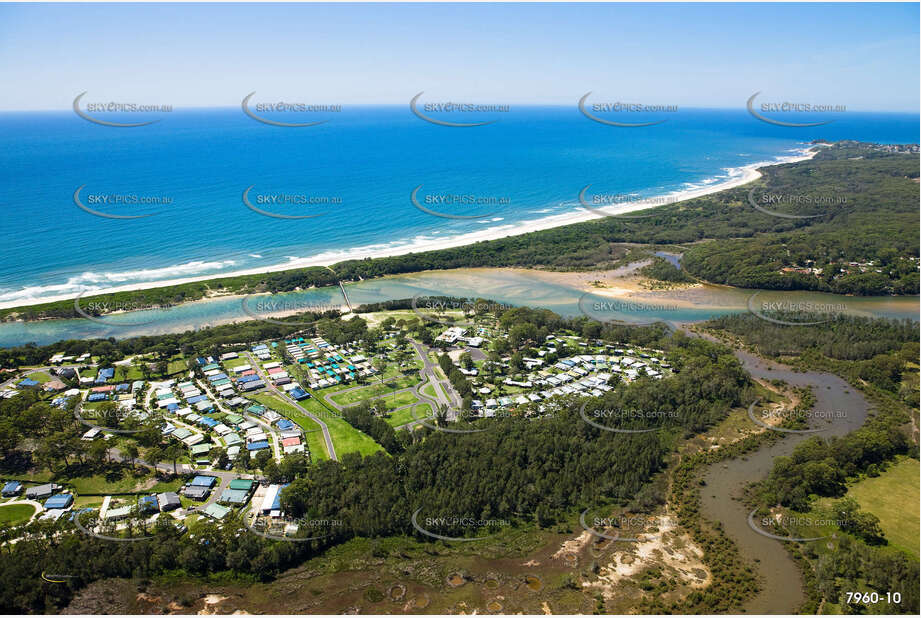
{"x": 738, "y": 176}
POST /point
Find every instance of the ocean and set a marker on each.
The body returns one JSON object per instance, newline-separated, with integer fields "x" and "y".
{"x": 357, "y": 172}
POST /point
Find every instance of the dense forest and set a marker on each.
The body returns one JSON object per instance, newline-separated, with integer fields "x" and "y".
{"x": 872, "y": 216}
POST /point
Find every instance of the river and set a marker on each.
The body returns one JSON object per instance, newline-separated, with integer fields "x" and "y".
{"x": 782, "y": 586}
{"x": 568, "y": 294}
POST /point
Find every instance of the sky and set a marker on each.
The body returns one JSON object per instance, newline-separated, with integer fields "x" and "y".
{"x": 864, "y": 56}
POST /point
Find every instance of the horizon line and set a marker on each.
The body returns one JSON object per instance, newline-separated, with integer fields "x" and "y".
{"x": 574, "y": 104}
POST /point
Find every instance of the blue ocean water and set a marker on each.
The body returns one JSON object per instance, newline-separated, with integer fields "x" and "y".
{"x": 361, "y": 166}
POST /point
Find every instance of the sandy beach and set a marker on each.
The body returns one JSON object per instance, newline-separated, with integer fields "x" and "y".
{"x": 737, "y": 177}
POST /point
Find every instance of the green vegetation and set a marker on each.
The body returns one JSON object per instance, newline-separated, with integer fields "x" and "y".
{"x": 402, "y": 417}
{"x": 893, "y": 496}
{"x": 346, "y": 439}
{"x": 13, "y": 514}
{"x": 375, "y": 390}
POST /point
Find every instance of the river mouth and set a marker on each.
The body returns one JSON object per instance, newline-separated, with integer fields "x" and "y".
{"x": 782, "y": 586}
{"x": 569, "y": 294}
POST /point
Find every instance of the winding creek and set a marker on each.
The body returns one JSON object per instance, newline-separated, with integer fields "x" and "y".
{"x": 782, "y": 586}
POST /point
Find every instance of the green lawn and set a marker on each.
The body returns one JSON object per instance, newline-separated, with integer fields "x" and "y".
{"x": 401, "y": 399}
{"x": 13, "y": 514}
{"x": 347, "y": 439}
{"x": 105, "y": 484}
{"x": 313, "y": 436}
{"x": 428, "y": 390}
{"x": 236, "y": 362}
{"x": 162, "y": 486}
{"x": 176, "y": 365}
{"x": 421, "y": 411}
{"x": 893, "y": 497}
{"x": 375, "y": 390}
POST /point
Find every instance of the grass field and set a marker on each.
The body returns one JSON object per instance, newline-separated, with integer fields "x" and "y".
{"x": 893, "y": 497}
{"x": 375, "y": 390}
{"x": 13, "y": 514}
{"x": 428, "y": 390}
{"x": 313, "y": 436}
{"x": 423, "y": 410}
{"x": 108, "y": 483}
{"x": 347, "y": 439}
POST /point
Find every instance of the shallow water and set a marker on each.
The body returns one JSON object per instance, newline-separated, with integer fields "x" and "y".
{"x": 508, "y": 286}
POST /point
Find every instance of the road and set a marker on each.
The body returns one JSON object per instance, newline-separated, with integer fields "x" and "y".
{"x": 48, "y": 368}
{"x": 224, "y": 475}
{"x": 269, "y": 386}
{"x": 429, "y": 374}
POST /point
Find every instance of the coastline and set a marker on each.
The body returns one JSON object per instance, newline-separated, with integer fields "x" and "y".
{"x": 737, "y": 177}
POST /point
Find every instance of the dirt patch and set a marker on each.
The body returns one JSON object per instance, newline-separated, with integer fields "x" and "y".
{"x": 670, "y": 550}
{"x": 572, "y": 547}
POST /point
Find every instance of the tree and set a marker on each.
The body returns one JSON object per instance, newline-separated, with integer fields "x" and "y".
{"x": 244, "y": 459}
{"x": 262, "y": 458}
{"x": 131, "y": 452}
{"x": 271, "y": 471}
{"x": 98, "y": 452}
{"x": 173, "y": 452}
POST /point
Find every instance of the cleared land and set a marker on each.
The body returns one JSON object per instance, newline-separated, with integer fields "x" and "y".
{"x": 13, "y": 514}
{"x": 893, "y": 497}
{"x": 375, "y": 390}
